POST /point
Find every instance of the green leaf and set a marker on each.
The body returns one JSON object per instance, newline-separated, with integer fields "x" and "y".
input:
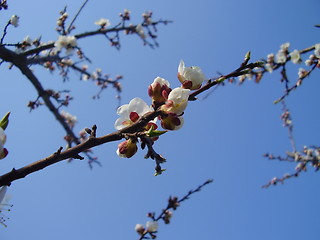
{"x": 154, "y": 133}
{"x": 159, "y": 172}
{"x": 5, "y": 121}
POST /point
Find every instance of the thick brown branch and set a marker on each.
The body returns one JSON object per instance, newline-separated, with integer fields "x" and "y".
{"x": 74, "y": 152}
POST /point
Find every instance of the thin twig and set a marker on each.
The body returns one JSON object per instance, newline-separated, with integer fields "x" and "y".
{"x": 75, "y": 17}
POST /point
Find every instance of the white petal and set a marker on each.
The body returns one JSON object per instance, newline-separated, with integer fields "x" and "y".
{"x": 181, "y": 67}
{"x": 122, "y": 110}
{"x": 3, "y": 191}
{"x": 3, "y": 137}
{"x": 139, "y": 106}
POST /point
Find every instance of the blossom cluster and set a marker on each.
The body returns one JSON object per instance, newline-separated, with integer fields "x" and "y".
{"x": 283, "y": 56}
{"x": 67, "y": 42}
{"x": 171, "y": 102}
{"x": 151, "y": 228}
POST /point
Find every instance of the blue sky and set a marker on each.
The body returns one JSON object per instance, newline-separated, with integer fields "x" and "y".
{"x": 223, "y": 139}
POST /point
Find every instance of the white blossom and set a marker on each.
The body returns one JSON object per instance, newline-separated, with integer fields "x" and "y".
{"x": 270, "y": 58}
{"x": 140, "y": 31}
{"x": 67, "y": 61}
{"x": 317, "y": 50}
{"x": 295, "y": 56}
{"x": 85, "y": 77}
{"x": 28, "y": 40}
{"x": 130, "y": 113}
{"x": 192, "y": 75}
{"x": 160, "y": 81}
{"x": 281, "y": 57}
{"x": 67, "y": 42}
{"x": 284, "y": 47}
{"x": 269, "y": 67}
{"x": 302, "y": 72}
{"x": 14, "y": 20}
{"x": 139, "y": 228}
{"x": 102, "y": 22}
{"x": 70, "y": 119}
{"x": 177, "y": 101}
{"x": 152, "y": 226}
{"x": 308, "y": 62}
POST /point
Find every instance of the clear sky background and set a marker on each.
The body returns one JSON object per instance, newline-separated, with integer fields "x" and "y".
{"x": 224, "y": 135}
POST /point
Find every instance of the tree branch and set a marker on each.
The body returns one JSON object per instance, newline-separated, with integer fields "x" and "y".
{"x": 74, "y": 152}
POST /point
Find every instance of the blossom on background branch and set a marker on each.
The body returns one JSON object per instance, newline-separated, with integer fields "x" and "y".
{"x": 151, "y": 228}
{"x": 3, "y": 5}
{"x": 307, "y": 156}
{"x": 61, "y": 54}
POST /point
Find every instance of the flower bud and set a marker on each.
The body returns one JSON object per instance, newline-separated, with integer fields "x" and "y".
{"x": 159, "y": 91}
{"x": 172, "y": 121}
{"x": 127, "y": 148}
{"x": 190, "y": 77}
{"x": 139, "y": 229}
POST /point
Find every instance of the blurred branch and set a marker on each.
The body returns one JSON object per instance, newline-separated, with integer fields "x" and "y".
{"x": 21, "y": 63}
{"x": 166, "y": 214}
{"x": 75, "y": 17}
{"x": 101, "y": 31}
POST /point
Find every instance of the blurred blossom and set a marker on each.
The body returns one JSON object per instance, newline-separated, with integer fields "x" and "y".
{"x": 281, "y": 57}
{"x": 284, "y": 47}
{"x": 308, "y": 62}
{"x": 269, "y": 67}
{"x": 14, "y": 20}
{"x": 70, "y": 119}
{"x": 295, "y": 56}
{"x": 67, "y": 42}
{"x": 140, "y": 31}
{"x": 152, "y": 226}
{"x": 270, "y": 58}
{"x": 317, "y": 50}
{"x": 139, "y": 228}
{"x": 302, "y": 72}
{"x": 102, "y": 22}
